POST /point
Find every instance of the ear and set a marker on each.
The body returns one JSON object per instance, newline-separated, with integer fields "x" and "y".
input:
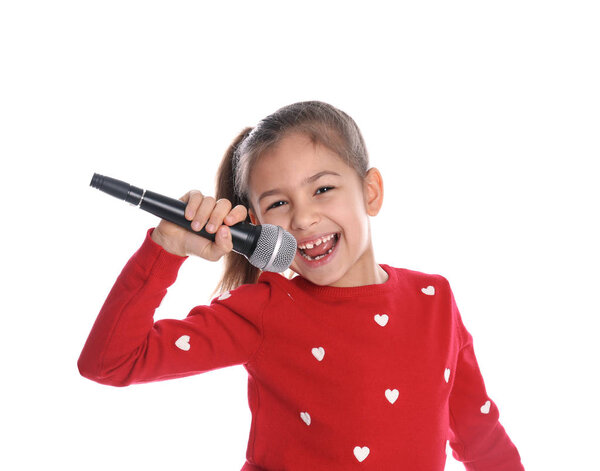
{"x": 373, "y": 191}
{"x": 253, "y": 218}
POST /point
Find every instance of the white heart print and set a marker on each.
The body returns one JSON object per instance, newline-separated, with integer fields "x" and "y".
{"x": 381, "y": 319}
{"x": 318, "y": 353}
{"x": 391, "y": 395}
{"x": 306, "y": 417}
{"x": 430, "y": 290}
{"x": 225, "y": 295}
{"x": 485, "y": 409}
{"x": 361, "y": 453}
{"x": 183, "y": 343}
{"x": 447, "y": 374}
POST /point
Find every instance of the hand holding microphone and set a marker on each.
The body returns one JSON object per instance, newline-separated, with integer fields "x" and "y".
{"x": 267, "y": 247}
{"x": 202, "y": 212}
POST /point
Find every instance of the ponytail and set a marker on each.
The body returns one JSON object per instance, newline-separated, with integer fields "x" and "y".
{"x": 237, "y": 270}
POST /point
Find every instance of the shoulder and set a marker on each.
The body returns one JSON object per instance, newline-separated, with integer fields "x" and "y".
{"x": 440, "y": 292}
{"x": 268, "y": 286}
{"x": 418, "y": 278}
{"x": 279, "y": 286}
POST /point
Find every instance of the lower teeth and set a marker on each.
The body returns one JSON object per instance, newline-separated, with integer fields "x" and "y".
{"x": 318, "y": 257}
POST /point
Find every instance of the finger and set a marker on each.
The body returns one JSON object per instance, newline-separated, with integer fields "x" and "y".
{"x": 193, "y": 199}
{"x": 222, "y": 208}
{"x": 223, "y": 242}
{"x": 222, "y": 245}
{"x": 237, "y": 214}
{"x": 203, "y": 212}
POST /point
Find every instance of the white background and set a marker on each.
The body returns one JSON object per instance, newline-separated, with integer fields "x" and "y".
{"x": 482, "y": 116}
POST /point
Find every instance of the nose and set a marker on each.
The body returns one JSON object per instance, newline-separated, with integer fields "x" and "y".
{"x": 304, "y": 216}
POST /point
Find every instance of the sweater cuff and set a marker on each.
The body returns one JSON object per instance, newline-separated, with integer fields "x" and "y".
{"x": 153, "y": 257}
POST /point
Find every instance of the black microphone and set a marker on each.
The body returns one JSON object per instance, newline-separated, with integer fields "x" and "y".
{"x": 267, "y": 247}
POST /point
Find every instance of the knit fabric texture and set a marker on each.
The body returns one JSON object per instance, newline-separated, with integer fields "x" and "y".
{"x": 374, "y": 377}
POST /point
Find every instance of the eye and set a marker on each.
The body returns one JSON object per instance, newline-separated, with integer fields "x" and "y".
{"x": 324, "y": 189}
{"x": 276, "y": 205}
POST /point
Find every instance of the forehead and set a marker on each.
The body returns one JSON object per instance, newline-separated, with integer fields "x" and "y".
{"x": 293, "y": 159}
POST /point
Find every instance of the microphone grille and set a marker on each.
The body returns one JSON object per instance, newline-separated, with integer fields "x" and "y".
{"x": 275, "y": 249}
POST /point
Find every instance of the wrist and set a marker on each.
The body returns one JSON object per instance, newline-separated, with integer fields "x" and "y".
{"x": 166, "y": 243}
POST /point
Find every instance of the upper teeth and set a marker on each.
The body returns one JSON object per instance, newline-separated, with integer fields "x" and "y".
{"x": 316, "y": 243}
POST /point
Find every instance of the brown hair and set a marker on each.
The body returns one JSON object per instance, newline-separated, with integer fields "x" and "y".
{"x": 321, "y": 122}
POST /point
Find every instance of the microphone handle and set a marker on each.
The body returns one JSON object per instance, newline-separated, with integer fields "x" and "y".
{"x": 244, "y": 235}
{"x": 171, "y": 210}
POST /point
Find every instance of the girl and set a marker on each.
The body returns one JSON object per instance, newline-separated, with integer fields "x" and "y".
{"x": 351, "y": 364}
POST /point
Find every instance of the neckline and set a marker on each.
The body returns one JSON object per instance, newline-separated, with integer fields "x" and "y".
{"x": 333, "y": 291}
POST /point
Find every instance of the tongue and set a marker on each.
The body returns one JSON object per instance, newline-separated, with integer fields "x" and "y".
{"x": 320, "y": 249}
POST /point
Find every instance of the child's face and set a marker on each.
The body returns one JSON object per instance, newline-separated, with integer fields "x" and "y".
{"x": 310, "y": 192}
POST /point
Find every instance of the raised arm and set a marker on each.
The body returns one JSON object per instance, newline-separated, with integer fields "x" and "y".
{"x": 126, "y": 346}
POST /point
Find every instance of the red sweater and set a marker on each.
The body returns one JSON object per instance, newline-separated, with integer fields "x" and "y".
{"x": 373, "y": 377}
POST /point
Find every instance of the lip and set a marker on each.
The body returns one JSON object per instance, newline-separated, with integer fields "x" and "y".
{"x": 325, "y": 260}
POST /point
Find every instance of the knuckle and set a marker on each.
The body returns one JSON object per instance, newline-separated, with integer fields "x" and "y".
{"x": 224, "y": 202}
{"x": 220, "y": 211}
{"x": 224, "y": 239}
{"x": 209, "y": 200}
{"x": 196, "y": 200}
{"x": 194, "y": 195}
{"x": 206, "y": 206}
{"x": 241, "y": 209}
{"x": 223, "y": 206}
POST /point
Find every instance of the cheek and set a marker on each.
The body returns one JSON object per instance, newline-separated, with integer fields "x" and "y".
{"x": 276, "y": 217}
{"x": 347, "y": 210}
{"x": 354, "y": 222}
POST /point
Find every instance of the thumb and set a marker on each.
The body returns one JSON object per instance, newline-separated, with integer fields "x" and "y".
{"x": 223, "y": 244}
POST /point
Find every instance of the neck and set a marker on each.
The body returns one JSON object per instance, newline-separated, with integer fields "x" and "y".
{"x": 364, "y": 271}
{"x": 371, "y": 275}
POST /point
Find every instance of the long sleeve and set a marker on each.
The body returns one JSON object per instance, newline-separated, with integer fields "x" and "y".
{"x": 476, "y": 435}
{"x": 126, "y": 346}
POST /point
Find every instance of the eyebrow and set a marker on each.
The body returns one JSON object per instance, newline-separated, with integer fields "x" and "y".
{"x": 306, "y": 181}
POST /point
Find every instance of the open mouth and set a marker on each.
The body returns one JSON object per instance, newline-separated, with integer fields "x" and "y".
{"x": 319, "y": 248}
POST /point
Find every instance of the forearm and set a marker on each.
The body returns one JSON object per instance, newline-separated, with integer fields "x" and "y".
{"x": 126, "y": 318}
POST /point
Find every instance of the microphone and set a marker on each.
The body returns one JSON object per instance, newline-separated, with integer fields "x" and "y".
{"x": 267, "y": 247}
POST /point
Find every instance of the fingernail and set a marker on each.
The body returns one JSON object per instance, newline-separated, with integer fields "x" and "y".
{"x": 210, "y": 228}
{"x": 196, "y": 225}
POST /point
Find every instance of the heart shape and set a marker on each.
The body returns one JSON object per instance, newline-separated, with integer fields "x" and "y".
{"x": 306, "y": 417}
{"x": 361, "y": 453}
{"x": 318, "y": 353}
{"x": 485, "y": 409}
{"x": 447, "y": 374}
{"x": 183, "y": 343}
{"x": 391, "y": 395}
{"x": 430, "y": 290}
{"x": 381, "y": 319}
{"x": 224, "y": 296}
